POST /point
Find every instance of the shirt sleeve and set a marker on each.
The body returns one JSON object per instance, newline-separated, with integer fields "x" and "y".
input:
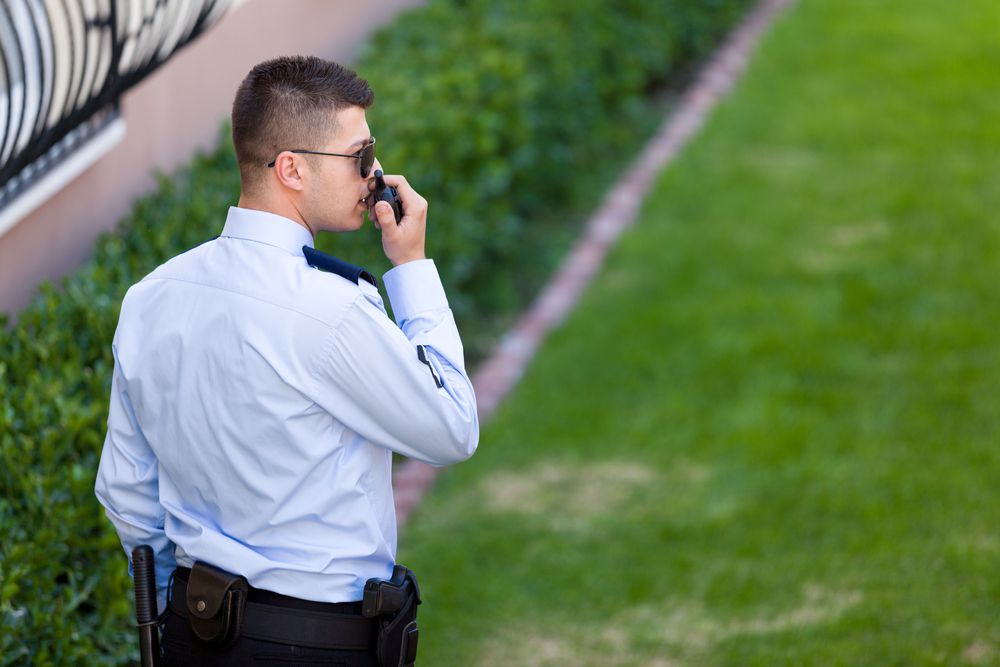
{"x": 128, "y": 487}
{"x": 402, "y": 387}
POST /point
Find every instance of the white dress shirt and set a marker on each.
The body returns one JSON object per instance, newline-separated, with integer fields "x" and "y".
{"x": 256, "y": 402}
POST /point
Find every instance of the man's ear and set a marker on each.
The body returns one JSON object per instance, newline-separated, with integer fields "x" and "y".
{"x": 289, "y": 169}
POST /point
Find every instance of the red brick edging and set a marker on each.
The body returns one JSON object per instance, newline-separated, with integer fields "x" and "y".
{"x": 504, "y": 367}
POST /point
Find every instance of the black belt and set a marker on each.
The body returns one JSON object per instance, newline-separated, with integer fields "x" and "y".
{"x": 305, "y": 624}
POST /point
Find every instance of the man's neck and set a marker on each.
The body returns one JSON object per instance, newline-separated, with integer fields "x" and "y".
{"x": 284, "y": 209}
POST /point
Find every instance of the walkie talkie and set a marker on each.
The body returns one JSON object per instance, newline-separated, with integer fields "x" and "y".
{"x": 389, "y": 194}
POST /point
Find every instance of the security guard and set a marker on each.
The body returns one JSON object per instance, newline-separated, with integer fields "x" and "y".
{"x": 260, "y": 389}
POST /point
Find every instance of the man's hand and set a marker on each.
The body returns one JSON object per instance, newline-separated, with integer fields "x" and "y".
{"x": 403, "y": 242}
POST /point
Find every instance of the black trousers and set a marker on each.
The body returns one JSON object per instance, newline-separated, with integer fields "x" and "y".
{"x": 182, "y": 648}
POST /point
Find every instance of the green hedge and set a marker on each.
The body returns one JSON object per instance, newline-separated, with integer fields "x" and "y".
{"x": 495, "y": 111}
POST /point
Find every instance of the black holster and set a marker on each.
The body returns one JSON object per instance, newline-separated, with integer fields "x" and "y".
{"x": 215, "y": 601}
{"x": 394, "y": 602}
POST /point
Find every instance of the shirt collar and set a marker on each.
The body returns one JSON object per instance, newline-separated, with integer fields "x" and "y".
{"x": 269, "y": 228}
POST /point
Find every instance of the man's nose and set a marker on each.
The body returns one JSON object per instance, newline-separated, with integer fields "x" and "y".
{"x": 376, "y": 165}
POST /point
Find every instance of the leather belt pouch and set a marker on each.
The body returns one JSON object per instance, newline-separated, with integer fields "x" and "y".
{"x": 215, "y": 601}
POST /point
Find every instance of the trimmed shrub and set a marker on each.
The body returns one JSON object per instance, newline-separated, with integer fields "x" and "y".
{"x": 491, "y": 109}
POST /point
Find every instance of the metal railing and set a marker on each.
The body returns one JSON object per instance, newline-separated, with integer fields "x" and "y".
{"x": 64, "y": 65}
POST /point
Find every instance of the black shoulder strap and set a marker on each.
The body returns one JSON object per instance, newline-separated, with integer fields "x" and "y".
{"x": 329, "y": 263}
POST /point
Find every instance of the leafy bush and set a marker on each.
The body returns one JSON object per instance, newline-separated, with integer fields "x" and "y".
{"x": 492, "y": 109}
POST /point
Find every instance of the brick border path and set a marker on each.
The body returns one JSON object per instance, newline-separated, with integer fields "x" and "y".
{"x": 502, "y": 370}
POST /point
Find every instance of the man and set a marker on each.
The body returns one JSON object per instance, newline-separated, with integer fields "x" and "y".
{"x": 260, "y": 389}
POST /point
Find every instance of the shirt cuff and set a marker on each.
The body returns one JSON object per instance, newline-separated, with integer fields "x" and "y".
{"x": 414, "y": 287}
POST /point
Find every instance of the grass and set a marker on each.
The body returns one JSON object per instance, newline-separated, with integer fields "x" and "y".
{"x": 768, "y": 435}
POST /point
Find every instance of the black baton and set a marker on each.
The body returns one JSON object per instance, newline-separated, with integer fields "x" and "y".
{"x": 144, "y": 578}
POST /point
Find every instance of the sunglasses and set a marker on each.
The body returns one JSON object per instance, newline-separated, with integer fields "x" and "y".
{"x": 365, "y": 157}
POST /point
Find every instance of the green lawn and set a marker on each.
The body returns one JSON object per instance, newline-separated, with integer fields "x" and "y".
{"x": 769, "y": 434}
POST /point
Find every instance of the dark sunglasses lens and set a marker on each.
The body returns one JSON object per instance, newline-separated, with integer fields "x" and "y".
{"x": 367, "y": 159}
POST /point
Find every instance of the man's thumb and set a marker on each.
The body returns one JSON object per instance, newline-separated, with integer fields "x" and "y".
{"x": 384, "y": 213}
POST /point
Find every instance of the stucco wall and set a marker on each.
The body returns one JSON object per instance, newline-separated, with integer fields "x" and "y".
{"x": 169, "y": 116}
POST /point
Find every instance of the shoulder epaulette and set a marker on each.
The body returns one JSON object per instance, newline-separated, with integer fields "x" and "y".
{"x": 331, "y": 264}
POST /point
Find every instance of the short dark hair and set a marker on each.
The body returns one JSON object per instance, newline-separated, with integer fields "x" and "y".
{"x": 286, "y": 103}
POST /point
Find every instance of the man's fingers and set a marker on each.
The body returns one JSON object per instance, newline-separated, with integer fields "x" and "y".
{"x": 412, "y": 201}
{"x": 397, "y": 181}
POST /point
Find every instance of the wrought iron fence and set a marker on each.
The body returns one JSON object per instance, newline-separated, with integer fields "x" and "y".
{"x": 64, "y": 65}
